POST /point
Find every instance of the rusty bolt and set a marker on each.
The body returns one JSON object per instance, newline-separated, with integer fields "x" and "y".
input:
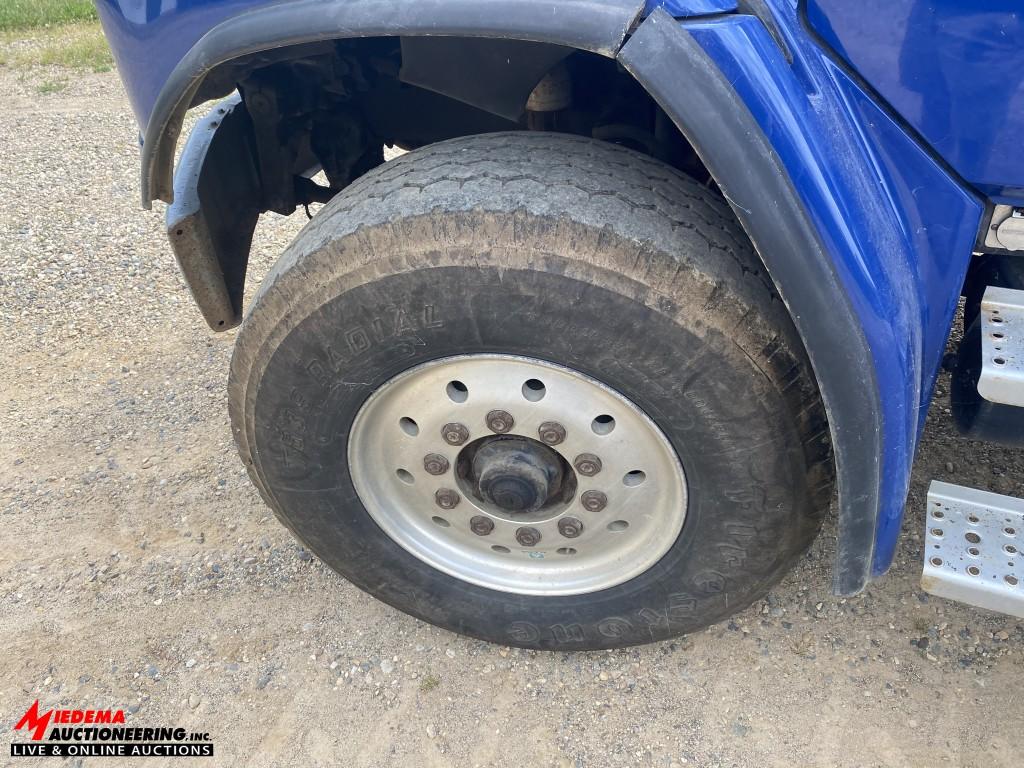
{"x": 593, "y": 501}
{"x": 446, "y": 498}
{"x": 587, "y": 464}
{"x": 570, "y": 527}
{"x": 481, "y": 525}
{"x": 435, "y": 464}
{"x": 454, "y": 433}
{"x": 500, "y": 422}
{"x": 528, "y": 537}
{"x": 551, "y": 432}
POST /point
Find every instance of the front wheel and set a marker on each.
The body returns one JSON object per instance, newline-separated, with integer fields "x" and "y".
{"x": 536, "y": 389}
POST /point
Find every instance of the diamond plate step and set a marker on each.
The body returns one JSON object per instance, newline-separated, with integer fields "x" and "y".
{"x": 1002, "y": 346}
{"x": 973, "y": 542}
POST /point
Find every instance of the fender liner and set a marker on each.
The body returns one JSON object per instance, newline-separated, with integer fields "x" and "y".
{"x": 665, "y": 58}
{"x": 598, "y": 26}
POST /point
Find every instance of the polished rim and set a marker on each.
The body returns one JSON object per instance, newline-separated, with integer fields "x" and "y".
{"x": 517, "y": 475}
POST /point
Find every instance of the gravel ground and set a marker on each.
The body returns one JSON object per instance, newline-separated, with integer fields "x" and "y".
{"x": 141, "y": 570}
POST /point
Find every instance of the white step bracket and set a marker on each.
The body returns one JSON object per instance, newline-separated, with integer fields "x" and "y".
{"x": 1002, "y": 346}
{"x": 973, "y": 542}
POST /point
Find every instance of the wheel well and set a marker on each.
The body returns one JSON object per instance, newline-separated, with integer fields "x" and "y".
{"x": 334, "y": 105}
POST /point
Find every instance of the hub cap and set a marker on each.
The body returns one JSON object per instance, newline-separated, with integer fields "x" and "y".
{"x": 517, "y": 475}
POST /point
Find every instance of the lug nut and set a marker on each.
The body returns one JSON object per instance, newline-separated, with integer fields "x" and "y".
{"x": 570, "y": 527}
{"x": 587, "y": 464}
{"x": 593, "y": 501}
{"x": 481, "y": 525}
{"x": 455, "y": 433}
{"x": 528, "y": 537}
{"x": 500, "y": 422}
{"x": 435, "y": 464}
{"x": 446, "y": 498}
{"x": 551, "y": 432}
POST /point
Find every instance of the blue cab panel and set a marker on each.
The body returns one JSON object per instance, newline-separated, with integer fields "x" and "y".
{"x": 953, "y": 69}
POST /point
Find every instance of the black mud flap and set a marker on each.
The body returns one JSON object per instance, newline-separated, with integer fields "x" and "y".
{"x": 215, "y": 210}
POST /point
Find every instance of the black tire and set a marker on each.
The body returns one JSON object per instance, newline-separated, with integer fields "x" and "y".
{"x": 580, "y": 253}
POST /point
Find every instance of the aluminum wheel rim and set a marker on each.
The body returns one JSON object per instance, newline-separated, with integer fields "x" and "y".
{"x": 642, "y": 480}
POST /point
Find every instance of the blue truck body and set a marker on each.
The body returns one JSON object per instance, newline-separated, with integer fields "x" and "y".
{"x": 896, "y": 124}
{"x": 951, "y": 69}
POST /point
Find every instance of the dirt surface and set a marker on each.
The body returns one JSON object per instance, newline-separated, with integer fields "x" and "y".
{"x": 141, "y": 570}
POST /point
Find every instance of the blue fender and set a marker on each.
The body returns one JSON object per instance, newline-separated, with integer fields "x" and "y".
{"x": 865, "y": 234}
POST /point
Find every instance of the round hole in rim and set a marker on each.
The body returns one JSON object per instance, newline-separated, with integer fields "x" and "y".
{"x": 974, "y": 570}
{"x": 937, "y": 532}
{"x": 1011, "y": 580}
{"x": 938, "y": 514}
{"x": 634, "y": 478}
{"x": 500, "y": 549}
{"x": 997, "y": 320}
{"x": 409, "y": 426}
{"x": 998, "y": 335}
{"x": 972, "y": 537}
{"x": 999, "y": 361}
{"x": 1010, "y": 549}
{"x": 618, "y": 526}
{"x": 441, "y": 521}
{"x": 457, "y": 391}
{"x": 972, "y": 518}
{"x": 973, "y": 551}
{"x": 405, "y": 476}
{"x": 603, "y": 424}
{"x": 936, "y": 561}
{"x": 566, "y": 550}
{"x": 534, "y": 390}
{"x": 1010, "y": 531}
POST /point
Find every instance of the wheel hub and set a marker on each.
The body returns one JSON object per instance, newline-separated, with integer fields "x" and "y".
{"x": 517, "y": 475}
